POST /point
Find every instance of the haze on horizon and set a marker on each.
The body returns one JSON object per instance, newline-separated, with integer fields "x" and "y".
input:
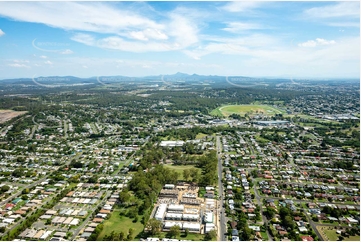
{"x": 257, "y": 39}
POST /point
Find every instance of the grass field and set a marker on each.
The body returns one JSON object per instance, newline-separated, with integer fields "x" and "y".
{"x": 200, "y": 136}
{"x": 331, "y": 234}
{"x": 180, "y": 169}
{"x": 119, "y": 224}
{"x": 244, "y": 109}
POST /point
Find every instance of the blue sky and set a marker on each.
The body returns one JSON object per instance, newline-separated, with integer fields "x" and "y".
{"x": 260, "y": 39}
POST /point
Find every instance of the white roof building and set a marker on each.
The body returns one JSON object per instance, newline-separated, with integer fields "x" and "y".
{"x": 75, "y": 221}
{"x": 169, "y": 186}
{"x": 187, "y": 216}
{"x": 160, "y": 211}
{"x": 192, "y": 226}
{"x": 169, "y": 224}
{"x": 173, "y": 207}
{"x": 209, "y": 227}
{"x": 173, "y": 216}
{"x": 208, "y": 217}
{"x": 46, "y": 235}
{"x": 171, "y": 143}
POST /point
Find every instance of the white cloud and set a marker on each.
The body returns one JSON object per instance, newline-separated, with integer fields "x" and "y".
{"x": 341, "y": 9}
{"x": 241, "y": 6}
{"x": 84, "y": 66}
{"x": 66, "y": 52}
{"x": 21, "y": 61}
{"x": 43, "y": 57}
{"x": 18, "y": 65}
{"x": 184, "y": 31}
{"x": 317, "y": 42}
{"x": 94, "y": 17}
{"x": 179, "y": 33}
{"x": 148, "y": 34}
{"x": 344, "y": 24}
{"x": 84, "y": 39}
{"x": 48, "y": 62}
{"x": 236, "y": 27}
{"x": 175, "y": 30}
{"x": 1, "y": 33}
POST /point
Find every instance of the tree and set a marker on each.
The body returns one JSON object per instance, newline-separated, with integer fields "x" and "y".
{"x": 186, "y": 232}
{"x": 186, "y": 174}
{"x": 154, "y": 226}
{"x": 124, "y": 196}
{"x": 4, "y": 188}
{"x": 211, "y": 236}
{"x": 194, "y": 175}
{"x": 288, "y": 222}
{"x": 130, "y": 234}
{"x": 174, "y": 231}
{"x": 269, "y": 213}
{"x": 246, "y": 233}
{"x": 121, "y": 236}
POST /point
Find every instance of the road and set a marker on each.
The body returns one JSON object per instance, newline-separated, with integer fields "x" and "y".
{"x": 19, "y": 192}
{"x": 222, "y": 229}
{"x": 313, "y": 225}
{"x": 76, "y": 232}
{"x": 264, "y": 219}
{"x": 65, "y": 129}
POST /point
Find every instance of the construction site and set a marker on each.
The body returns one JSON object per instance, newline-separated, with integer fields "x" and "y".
{"x": 180, "y": 205}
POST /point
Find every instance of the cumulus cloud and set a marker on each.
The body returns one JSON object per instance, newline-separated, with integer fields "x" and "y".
{"x": 66, "y": 52}
{"x": 43, "y": 57}
{"x": 48, "y": 62}
{"x": 1, "y": 33}
{"x": 317, "y": 42}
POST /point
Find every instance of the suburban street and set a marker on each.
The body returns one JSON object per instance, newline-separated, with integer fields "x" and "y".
{"x": 223, "y": 223}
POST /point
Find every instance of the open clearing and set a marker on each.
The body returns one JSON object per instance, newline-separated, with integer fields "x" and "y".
{"x": 6, "y": 115}
{"x": 180, "y": 169}
{"x": 120, "y": 224}
{"x": 246, "y": 109}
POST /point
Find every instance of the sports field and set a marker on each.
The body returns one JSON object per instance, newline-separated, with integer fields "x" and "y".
{"x": 246, "y": 109}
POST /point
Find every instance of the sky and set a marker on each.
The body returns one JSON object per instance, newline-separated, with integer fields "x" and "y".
{"x": 257, "y": 39}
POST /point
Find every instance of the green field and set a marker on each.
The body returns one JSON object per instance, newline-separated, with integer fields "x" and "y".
{"x": 200, "y": 136}
{"x": 331, "y": 234}
{"x": 180, "y": 169}
{"x": 246, "y": 109}
{"x": 120, "y": 224}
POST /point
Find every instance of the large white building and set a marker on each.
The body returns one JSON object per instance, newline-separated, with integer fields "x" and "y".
{"x": 160, "y": 212}
{"x": 169, "y": 224}
{"x": 192, "y": 226}
{"x": 208, "y": 217}
{"x": 171, "y": 143}
{"x": 173, "y": 207}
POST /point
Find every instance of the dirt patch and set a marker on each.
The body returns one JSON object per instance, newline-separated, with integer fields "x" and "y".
{"x": 6, "y": 115}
